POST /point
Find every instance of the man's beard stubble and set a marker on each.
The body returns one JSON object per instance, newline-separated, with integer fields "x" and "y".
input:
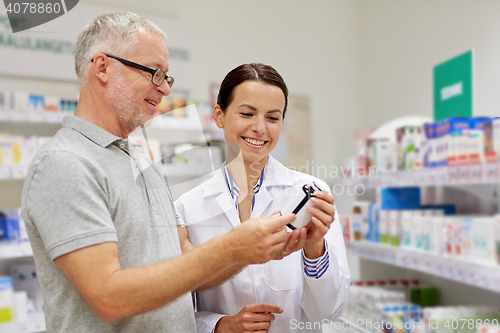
{"x": 127, "y": 108}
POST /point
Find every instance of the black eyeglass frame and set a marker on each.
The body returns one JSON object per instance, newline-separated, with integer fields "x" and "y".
{"x": 152, "y": 71}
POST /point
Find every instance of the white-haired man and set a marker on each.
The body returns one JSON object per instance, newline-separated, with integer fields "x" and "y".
{"x": 107, "y": 244}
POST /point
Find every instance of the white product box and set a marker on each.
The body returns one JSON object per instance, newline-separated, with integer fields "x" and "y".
{"x": 408, "y": 139}
{"x": 385, "y": 156}
{"x": 360, "y": 216}
{"x": 5, "y": 156}
{"x": 407, "y": 223}
{"x": 463, "y": 156}
{"x": 437, "y": 234}
{"x": 21, "y": 306}
{"x": 484, "y": 239}
{"x": 384, "y": 226}
{"x": 467, "y": 238}
{"x": 395, "y": 228}
{"x": 6, "y": 300}
{"x": 25, "y": 278}
{"x": 453, "y": 236}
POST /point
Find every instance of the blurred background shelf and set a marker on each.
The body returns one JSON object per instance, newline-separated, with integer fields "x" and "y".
{"x": 35, "y": 324}
{"x": 471, "y": 273}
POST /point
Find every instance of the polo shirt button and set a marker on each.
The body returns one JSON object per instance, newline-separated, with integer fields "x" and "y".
{"x": 122, "y": 145}
{"x": 247, "y": 286}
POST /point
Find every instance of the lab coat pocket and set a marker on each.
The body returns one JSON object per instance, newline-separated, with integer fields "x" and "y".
{"x": 284, "y": 274}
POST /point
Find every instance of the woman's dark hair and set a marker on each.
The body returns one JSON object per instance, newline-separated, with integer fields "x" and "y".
{"x": 245, "y": 72}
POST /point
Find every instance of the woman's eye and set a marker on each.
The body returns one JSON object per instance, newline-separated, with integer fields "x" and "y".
{"x": 274, "y": 118}
{"x": 247, "y": 114}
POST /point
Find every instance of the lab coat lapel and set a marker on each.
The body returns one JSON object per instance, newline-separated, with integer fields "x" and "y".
{"x": 217, "y": 186}
{"x": 226, "y": 204}
{"x": 263, "y": 200}
{"x": 275, "y": 175}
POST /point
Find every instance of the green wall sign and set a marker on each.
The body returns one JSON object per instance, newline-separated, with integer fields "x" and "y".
{"x": 453, "y": 87}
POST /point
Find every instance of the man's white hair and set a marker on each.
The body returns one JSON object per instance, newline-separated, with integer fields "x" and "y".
{"x": 109, "y": 33}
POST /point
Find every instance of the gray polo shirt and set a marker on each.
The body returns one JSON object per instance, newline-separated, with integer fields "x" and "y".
{"x": 85, "y": 187}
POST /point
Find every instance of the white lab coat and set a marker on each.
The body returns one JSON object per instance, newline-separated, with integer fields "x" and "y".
{"x": 208, "y": 211}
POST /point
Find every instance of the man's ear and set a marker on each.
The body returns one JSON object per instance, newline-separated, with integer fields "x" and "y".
{"x": 218, "y": 116}
{"x": 100, "y": 67}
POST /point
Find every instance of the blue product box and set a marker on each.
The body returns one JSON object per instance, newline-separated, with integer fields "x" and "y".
{"x": 478, "y": 122}
{"x": 400, "y": 198}
{"x": 36, "y": 102}
{"x": 373, "y": 233}
{"x": 376, "y": 232}
{"x": 9, "y": 229}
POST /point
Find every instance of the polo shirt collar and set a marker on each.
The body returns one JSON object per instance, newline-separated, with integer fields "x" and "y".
{"x": 91, "y": 131}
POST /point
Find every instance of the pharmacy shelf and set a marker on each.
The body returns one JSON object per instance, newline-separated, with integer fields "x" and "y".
{"x": 486, "y": 173}
{"x": 471, "y": 273}
{"x": 11, "y": 251}
{"x": 35, "y": 324}
{"x": 168, "y": 130}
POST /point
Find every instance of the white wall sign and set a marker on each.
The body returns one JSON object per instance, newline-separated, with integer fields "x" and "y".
{"x": 47, "y": 51}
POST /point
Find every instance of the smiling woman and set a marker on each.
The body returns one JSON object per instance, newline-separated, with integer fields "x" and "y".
{"x": 311, "y": 280}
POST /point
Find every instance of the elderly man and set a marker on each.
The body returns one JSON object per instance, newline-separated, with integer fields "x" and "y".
{"x": 106, "y": 238}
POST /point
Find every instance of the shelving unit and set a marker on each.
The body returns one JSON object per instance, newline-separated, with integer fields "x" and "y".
{"x": 441, "y": 176}
{"x": 477, "y": 275}
{"x": 35, "y": 324}
{"x": 460, "y": 281}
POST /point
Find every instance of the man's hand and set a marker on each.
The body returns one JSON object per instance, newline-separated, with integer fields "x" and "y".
{"x": 259, "y": 240}
{"x": 253, "y": 317}
{"x": 323, "y": 214}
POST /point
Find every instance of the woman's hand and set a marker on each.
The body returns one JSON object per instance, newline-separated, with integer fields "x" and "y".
{"x": 253, "y": 317}
{"x": 296, "y": 240}
{"x": 323, "y": 213}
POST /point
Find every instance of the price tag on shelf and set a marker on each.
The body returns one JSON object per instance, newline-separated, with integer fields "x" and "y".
{"x": 35, "y": 116}
{"x": 414, "y": 262}
{"x": 443, "y": 176}
{"x": 52, "y": 117}
{"x": 415, "y": 177}
{"x": 427, "y": 263}
{"x": 437, "y": 267}
{"x": 5, "y": 172}
{"x": 495, "y": 279}
{"x": 459, "y": 272}
{"x": 19, "y": 171}
{"x": 18, "y": 116}
{"x": 470, "y": 276}
{"x": 9, "y": 114}
{"x": 453, "y": 177}
{"x": 403, "y": 260}
{"x": 447, "y": 269}
{"x": 476, "y": 173}
{"x": 484, "y": 279}
{"x": 463, "y": 174}
{"x": 427, "y": 177}
{"x": 391, "y": 257}
{"x": 490, "y": 172}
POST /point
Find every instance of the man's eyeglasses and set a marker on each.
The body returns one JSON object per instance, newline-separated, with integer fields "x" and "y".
{"x": 157, "y": 75}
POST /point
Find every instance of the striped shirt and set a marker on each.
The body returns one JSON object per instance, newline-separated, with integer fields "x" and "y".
{"x": 235, "y": 191}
